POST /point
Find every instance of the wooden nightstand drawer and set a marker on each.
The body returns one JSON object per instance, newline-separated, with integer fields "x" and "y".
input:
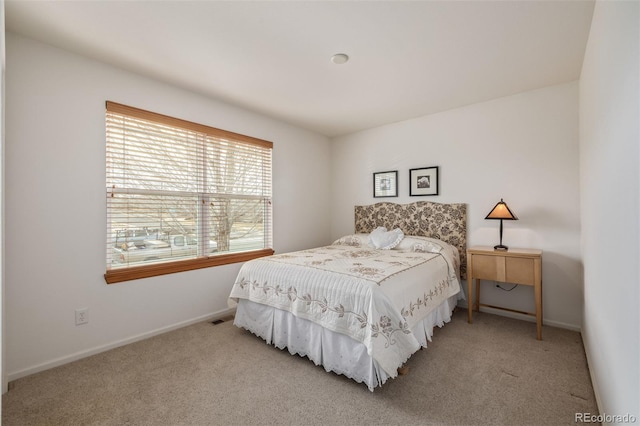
{"x": 519, "y": 270}
{"x": 504, "y": 269}
{"x": 487, "y": 267}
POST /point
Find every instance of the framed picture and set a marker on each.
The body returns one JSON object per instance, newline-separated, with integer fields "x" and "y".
{"x": 424, "y": 181}
{"x": 385, "y": 184}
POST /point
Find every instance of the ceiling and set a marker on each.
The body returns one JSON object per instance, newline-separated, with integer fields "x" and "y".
{"x": 407, "y": 59}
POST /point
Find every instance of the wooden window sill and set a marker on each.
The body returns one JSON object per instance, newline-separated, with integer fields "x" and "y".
{"x": 113, "y": 276}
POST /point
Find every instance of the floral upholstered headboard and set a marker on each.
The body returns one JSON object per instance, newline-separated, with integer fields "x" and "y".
{"x": 447, "y": 222}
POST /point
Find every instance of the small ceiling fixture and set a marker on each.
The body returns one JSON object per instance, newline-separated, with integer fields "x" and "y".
{"x": 339, "y": 58}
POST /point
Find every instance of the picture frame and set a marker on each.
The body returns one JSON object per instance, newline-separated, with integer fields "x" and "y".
{"x": 385, "y": 184}
{"x": 424, "y": 181}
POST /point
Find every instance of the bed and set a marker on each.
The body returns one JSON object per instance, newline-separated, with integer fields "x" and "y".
{"x": 364, "y": 304}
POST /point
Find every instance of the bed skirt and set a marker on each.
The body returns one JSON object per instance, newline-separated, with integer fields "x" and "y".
{"x": 336, "y": 352}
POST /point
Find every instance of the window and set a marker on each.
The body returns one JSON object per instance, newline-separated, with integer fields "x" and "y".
{"x": 181, "y": 195}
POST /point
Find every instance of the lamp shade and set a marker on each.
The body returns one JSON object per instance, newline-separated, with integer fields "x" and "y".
{"x": 501, "y": 211}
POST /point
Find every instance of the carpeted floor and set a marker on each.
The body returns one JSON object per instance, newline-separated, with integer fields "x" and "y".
{"x": 491, "y": 372}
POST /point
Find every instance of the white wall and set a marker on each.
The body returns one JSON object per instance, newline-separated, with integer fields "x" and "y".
{"x": 522, "y": 148}
{"x": 55, "y": 207}
{"x": 3, "y": 370}
{"x": 610, "y": 192}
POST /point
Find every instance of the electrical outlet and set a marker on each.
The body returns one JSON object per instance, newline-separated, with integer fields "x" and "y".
{"x": 82, "y": 316}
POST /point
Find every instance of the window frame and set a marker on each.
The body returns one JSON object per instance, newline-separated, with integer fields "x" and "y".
{"x": 169, "y": 267}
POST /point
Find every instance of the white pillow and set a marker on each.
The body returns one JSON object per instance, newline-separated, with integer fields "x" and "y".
{"x": 356, "y": 240}
{"x": 421, "y": 244}
{"x": 380, "y": 238}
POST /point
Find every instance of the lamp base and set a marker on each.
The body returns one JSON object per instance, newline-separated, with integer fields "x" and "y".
{"x": 500, "y": 247}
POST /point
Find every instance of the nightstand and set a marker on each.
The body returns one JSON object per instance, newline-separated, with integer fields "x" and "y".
{"x": 516, "y": 266}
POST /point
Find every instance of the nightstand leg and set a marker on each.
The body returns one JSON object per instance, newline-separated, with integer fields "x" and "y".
{"x": 477, "y": 306}
{"x": 470, "y": 299}
{"x": 538, "y": 296}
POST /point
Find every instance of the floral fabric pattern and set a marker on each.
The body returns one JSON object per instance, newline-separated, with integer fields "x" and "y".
{"x": 359, "y": 262}
{"x": 446, "y": 222}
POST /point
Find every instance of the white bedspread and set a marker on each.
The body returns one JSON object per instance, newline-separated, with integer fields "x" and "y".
{"x": 373, "y": 296}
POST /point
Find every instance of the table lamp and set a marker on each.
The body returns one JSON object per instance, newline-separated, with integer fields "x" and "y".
{"x": 501, "y": 211}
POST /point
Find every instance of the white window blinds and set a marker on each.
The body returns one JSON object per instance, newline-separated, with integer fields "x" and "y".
{"x": 178, "y": 190}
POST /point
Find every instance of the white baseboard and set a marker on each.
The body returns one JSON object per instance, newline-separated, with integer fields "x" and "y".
{"x": 96, "y": 350}
{"x": 529, "y": 318}
{"x": 594, "y": 382}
